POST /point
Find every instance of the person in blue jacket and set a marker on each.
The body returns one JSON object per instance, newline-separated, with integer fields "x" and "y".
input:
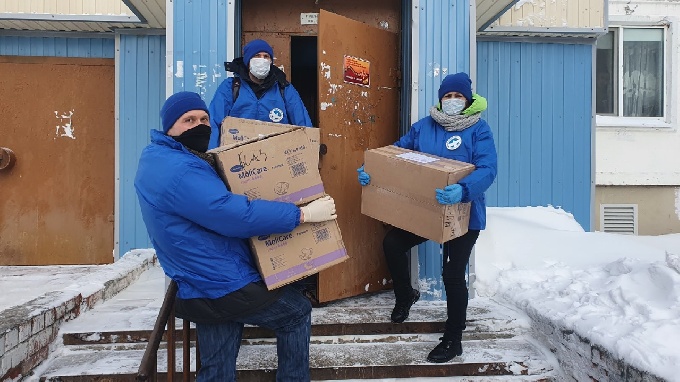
{"x": 199, "y": 230}
{"x": 453, "y": 130}
{"x": 259, "y": 90}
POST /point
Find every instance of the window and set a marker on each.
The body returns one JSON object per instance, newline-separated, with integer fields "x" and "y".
{"x": 630, "y": 72}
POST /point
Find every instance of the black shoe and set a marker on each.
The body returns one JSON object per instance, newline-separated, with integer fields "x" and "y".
{"x": 445, "y": 351}
{"x": 401, "y": 310}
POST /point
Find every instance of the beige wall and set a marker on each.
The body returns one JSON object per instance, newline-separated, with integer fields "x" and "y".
{"x": 658, "y": 207}
{"x": 66, "y": 7}
{"x": 560, "y": 14}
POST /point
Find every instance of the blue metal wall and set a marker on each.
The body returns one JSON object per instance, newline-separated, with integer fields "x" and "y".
{"x": 443, "y": 48}
{"x": 57, "y": 47}
{"x": 200, "y": 45}
{"x": 141, "y": 90}
{"x": 540, "y": 110}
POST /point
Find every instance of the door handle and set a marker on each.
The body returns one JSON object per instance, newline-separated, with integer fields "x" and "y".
{"x": 323, "y": 149}
{"x": 7, "y": 158}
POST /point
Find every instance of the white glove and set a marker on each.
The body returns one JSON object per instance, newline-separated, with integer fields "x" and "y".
{"x": 319, "y": 210}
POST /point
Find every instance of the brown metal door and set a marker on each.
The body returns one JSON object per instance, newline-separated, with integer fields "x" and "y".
{"x": 358, "y": 110}
{"x": 57, "y": 201}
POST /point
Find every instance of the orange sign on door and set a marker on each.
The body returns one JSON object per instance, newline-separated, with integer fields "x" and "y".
{"x": 357, "y": 71}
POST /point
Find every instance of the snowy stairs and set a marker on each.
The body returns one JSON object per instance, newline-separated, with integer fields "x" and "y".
{"x": 350, "y": 340}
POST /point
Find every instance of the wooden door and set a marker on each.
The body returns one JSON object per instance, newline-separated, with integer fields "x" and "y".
{"x": 358, "y": 110}
{"x": 57, "y": 201}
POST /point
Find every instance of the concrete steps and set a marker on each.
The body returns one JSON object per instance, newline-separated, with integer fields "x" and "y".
{"x": 352, "y": 339}
{"x": 331, "y": 358}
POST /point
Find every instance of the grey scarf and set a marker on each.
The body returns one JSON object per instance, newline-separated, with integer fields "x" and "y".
{"x": 454, "y": 122}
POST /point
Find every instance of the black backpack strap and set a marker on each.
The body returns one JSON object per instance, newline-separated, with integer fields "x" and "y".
{"x": 235, "y": 87}
{"x": 282, "y": 89}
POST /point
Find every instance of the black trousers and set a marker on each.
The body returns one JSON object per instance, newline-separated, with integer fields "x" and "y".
{"x": 398, "y": 243}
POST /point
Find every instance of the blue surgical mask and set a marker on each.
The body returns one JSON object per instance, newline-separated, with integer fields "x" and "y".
{"x": 453, "y": 106}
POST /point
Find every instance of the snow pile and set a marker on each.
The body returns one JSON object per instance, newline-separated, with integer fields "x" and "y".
{"x": 621, "y": 292}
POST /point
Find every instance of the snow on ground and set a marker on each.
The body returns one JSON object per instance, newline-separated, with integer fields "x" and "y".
{"x": 21, "y": 284}
{"x": 621, "y": 292}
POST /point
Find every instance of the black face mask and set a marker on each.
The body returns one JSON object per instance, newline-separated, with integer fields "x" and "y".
{"x": 197, "y": 138}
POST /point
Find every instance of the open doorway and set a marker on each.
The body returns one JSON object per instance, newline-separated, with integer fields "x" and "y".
{"x": 303, "y": 64}
{"x": 312, "y": 44}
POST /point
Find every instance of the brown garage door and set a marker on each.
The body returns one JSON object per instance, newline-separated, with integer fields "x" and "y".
{"x": 57, "y": 201}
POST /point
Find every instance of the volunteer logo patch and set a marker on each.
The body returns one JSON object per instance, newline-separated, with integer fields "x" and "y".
{"x": 276, "y": 114}
{"x": 454, "y": 142}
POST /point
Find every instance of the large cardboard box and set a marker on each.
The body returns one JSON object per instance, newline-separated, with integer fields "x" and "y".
{"x": 402, "y": 192}
{"x": 280, "y": 164}
{"x": 272, "y": 161}
{"x": 310, "y": 248}
{"x": 240, "y": 129}
{"x": 234, "y": 130}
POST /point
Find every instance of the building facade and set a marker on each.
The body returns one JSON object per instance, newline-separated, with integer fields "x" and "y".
{"x": 528, "y": 59}
{"x": 638, "y": 176}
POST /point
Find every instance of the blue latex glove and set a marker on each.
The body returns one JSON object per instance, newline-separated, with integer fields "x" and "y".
{"x": 451, "y": 194}
{"x": 364, "y": 178}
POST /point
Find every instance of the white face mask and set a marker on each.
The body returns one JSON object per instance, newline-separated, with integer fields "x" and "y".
{"x": 453, "y": 106}
{"x": 259, "y": 67}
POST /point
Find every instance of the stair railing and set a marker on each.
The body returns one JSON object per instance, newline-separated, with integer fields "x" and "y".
{"x": 148, "y": 369}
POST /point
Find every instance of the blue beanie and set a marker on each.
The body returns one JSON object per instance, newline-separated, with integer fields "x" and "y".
{"x": 254, "y": 47}
{"x": 459, "y": 82}
{"x": 178, "y": 104}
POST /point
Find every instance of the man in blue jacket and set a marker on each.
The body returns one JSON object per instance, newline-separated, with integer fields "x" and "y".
{"x": 199, "y": 230}
{"x": 259, "y": 90}
{"x": 454, "y": 129}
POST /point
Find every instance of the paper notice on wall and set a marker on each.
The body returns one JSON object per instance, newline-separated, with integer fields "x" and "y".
{"x": 309, "y": 18}
{"x": 415, "y": 157}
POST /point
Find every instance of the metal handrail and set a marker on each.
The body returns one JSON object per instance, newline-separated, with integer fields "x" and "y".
{"x": 148, "y": 369}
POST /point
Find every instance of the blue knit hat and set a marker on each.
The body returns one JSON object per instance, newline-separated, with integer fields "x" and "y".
{"x": 178, "y": 104}
{"x": 254, "y": 47}
{"x": 459, "y": 82}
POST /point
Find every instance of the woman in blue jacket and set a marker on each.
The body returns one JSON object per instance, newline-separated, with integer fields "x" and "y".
{"x": 453, "y": 130}
{"x": 259, "y": 90}
{"x": 199, "y": 230}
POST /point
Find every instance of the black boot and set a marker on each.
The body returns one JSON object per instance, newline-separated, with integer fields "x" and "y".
{"x": 401, "y": 309}
{"x": 445, "y": 351}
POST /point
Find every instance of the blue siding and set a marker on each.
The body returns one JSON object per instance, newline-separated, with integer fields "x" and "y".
{"x": 200, "y": 43}
{"x": 443, "y": 48}
{"x": 540, "y": 110}
{"x": 141, "y": 92}
{"x": 57, "y": 47}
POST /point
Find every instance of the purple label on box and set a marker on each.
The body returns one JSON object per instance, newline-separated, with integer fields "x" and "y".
{"x": 304, "y": 267}
{"x": 302, "y": 194}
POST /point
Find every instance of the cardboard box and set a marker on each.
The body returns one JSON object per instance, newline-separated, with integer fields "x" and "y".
{"x": 271, "y": 161}
{"x": 281, "y": 164}
{"x": 310, "y": 248}
{"x": 234, "y": 130}
{"x": 402, "y": 192}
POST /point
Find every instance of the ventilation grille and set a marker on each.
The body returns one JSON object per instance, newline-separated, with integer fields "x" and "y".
{"x": 619, "y": 218}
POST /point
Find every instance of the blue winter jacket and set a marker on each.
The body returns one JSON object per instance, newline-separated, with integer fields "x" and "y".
{"x": 473, "y": 145}
{"x": 199, "y": 228}
{"x": 269, "y": 108}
